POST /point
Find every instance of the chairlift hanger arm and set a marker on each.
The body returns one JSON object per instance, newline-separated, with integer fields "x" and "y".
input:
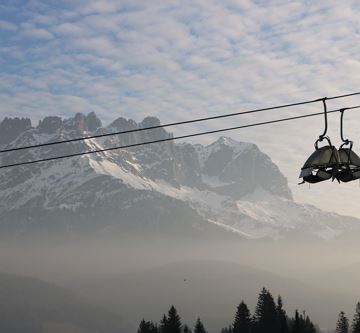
{"x": 322, "y": 136}
{"x": 341, "y": 127}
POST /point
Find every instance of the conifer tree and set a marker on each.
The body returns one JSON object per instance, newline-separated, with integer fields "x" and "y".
{"x": 226, "y": 330}
{"x": 199, "y": 327}
{"x": 147, "y": 327}
{"x": 143, "y": 327}
{"x": 301, "y": 324}
{"x": 355, "y": 327}
{"x": 154, "y": 327}
{"x": 164, "y": 325}
{"x": 282, "y": 318}
{"x": 309, "y": 326}
{"x": 296, "y": 323}
{"x": 173, "y": 322}
{"x": 342, "y": 325}
{"x": 242, "y": 321}
{"x": 186, "y": 329}
{"x": 265, "y": 318}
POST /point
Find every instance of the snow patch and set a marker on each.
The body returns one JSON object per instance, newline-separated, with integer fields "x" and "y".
{"x": 213, "y": 181}
{"x": 106, "y": 167}
{"x": 230, "y": 228}
{"x": 237, "y": 147}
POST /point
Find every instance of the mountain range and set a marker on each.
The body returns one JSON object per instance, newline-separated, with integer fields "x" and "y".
{"x": 224, "y": 189}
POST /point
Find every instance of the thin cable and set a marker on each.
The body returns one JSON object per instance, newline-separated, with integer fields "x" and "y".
{"x": 174, "y": 138}
{"x": 343, "y": 96}
{"x": 177, "y": 123}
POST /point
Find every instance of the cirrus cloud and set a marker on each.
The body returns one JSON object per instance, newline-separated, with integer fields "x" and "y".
{"x": 183, "y": 59}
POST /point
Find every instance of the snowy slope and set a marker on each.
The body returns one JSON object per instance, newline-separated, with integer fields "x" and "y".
{"x": 227, "y": 186}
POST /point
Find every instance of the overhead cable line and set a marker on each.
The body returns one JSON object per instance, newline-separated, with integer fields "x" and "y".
{"x": 175, "y": 138}
{"x": 179, "y": 123}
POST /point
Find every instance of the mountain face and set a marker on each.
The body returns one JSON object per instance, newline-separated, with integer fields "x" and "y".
{"x": 226, "y": 188}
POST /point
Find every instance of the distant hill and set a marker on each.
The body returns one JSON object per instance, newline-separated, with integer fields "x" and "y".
{"x": 30, "y": 305}
{"x": 210, "y": 289}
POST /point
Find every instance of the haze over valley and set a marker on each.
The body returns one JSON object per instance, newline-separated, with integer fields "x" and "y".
{"x": 136, "y": 230}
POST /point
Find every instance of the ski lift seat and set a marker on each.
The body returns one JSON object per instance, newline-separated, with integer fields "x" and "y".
{"x": 349, "y": 165}
{"x": 321, "y": 165}
{"x": 348, "y": 157}
{"x": 328, "y": 162}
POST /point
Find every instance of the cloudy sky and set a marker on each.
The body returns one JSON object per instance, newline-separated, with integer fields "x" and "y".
{"x": 183, "y": 59}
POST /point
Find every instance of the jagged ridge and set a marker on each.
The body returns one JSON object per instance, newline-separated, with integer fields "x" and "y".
{"x": 209, "y": 185}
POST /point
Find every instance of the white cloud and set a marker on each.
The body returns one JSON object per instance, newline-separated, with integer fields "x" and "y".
{"x": 69, "y": 29}
{"x": 186, "y": 59}
{"x": 5, "y": 25}
{"x": 101, "y": 46}
{"x": 37, "y": 33}
{"x": 44, "y": 19}
{"x": 93, "y": 6}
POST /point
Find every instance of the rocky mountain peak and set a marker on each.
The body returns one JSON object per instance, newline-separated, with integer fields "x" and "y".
{"x": 149, "y": 122}
{"x": 92, "y": 122}
{"x": 123, "y": 124}
{"x": 81, "y": 123}
{"x": 50, "y": 124}
{"x": 227, "y": 141}
{"x": 11, "y": 128}
{"x": 240, "y": 168}
{"x": 154, "y": 134}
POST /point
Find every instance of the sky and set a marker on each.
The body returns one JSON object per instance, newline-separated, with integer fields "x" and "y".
{"x": 179, "y": 60}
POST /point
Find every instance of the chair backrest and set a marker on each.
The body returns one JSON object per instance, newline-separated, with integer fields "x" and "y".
{"x": 321, "y": 165}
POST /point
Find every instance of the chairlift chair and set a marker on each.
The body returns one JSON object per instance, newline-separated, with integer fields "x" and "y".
{"x": 323, "y": 163}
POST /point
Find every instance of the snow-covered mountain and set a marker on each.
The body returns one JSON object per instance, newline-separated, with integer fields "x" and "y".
{"x": 225, "y": 188}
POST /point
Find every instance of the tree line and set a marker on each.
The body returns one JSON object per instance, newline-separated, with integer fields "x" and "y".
{"x": 269, "y": 317}
{"x": 343, "y": 325}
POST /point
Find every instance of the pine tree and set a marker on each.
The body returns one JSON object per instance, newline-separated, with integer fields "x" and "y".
{"x": 342, "y": 325}
{"x": 309, "y": 326}
{"x": 199, "y": 327}
{"x": 301, "y": 324}
{"x": 164, "y": 325}
{"x": 147, "y": 327}
{"x": 143, "y": 327}
{"x": 296, "y": 323}
{"x": 265, "y": 318}
{"x": 226, "y": 330}
{"x": 186, "y": 329}
{"x": 153, "y": 327}
{"x": 282, "y": 318}
{"x": 242, "y": 321}
{"x": 355, "y": 327}
{"x": 173, "y": 322}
